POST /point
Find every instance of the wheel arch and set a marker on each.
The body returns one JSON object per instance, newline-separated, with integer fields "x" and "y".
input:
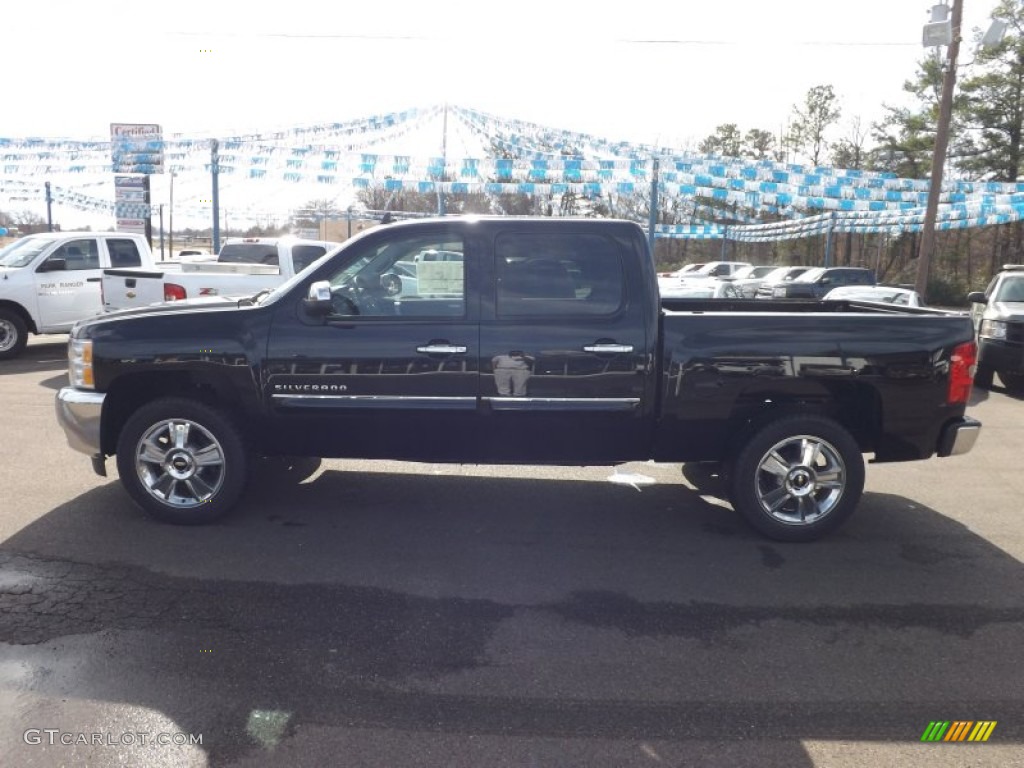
{"x": 130, "y": 392}
{"x": 23, "y": 313}
{"x": 857, "y": 407}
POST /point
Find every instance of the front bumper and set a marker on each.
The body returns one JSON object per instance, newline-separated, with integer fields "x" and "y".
{"x": 958, "y": 437}
{"x": 79, "y": 415}
{"x": 1000, "y": 355}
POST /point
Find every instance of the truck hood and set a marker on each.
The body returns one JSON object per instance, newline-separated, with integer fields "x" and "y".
{"x": 1009, "y": 310}
{"x": 198, "y": 304}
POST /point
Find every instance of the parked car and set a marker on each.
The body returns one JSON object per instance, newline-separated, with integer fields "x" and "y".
{"x": 244, "y": 266}
{"x": 816, "y": 282}
{"x": 685, "y": 269}
{"x": 567, "y": 357}
{"x": 713, "y": 270}
{"x": 779, "y": 275}
{"x": 998, "y": 316}
{"x": 708, "y": 289}
{"x": 748, "y": 279}
{"x": 886, "y": 294}
{"x": 51, "y": 280}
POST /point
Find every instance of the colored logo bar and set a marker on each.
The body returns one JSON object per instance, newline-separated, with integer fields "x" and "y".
{"x": 958, "y": 730}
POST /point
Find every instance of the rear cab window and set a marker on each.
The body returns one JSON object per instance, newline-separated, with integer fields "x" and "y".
{"x": 123, "y": 253}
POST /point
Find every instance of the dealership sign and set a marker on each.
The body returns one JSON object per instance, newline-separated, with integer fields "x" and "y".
{"x": 137, "y": 148}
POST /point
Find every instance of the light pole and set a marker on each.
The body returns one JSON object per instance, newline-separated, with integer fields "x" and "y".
{"x": 927, "y": 247}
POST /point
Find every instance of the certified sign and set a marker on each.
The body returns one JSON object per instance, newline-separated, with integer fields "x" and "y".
{"x": 137, "y": 147}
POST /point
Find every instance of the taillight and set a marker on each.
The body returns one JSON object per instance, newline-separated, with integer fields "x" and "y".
{"x": 961, "y": 372}
{"x": 174, "y": 292}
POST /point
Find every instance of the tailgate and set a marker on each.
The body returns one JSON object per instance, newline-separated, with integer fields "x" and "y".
{"x": 129, "y": 288}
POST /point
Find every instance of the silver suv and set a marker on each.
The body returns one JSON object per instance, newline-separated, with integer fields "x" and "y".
{"x": 998, "y": 314}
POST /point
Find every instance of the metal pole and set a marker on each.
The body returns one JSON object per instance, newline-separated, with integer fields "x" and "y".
{"x": 829, "y": 239}
{"x": 162, "y": 255}
{"x": 215, "y": 196}
{"x": 927, "y": 247}
{"x": 349, "y": 217}
{"x": 652, "y": 221}
{"x": 441, "y": 205}
{"x": 49, "y": 209}
{"x": 170, "y": 224}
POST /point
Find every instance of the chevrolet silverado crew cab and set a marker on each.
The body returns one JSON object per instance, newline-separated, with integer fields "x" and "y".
{"x": 546, "y": 343}
{"x": 243, "y": 267}
{"x": 49, "y": 281}
{"x": 998, "y": 314}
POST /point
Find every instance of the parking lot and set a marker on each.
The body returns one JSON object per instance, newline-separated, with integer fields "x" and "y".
{"x": 394, "y": 614}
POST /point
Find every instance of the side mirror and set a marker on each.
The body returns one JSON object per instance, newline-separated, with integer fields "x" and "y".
{"x": 977, "y": 297}
{"x": 318, "y": 300}
{"x": 53, "y": 264}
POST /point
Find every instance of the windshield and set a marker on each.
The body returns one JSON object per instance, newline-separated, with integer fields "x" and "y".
{"x": 810, "y": 275}
{"x": 1012, "y": 289}
{"x": 747, "y": 273}
{"x": 777, "y": 274}
{"x": 22, "y": 252}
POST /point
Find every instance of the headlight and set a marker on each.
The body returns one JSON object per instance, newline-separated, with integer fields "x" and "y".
{"x": 779, "y": 291}
{"x": 80, "y": 363}
{"x": 993, "y": 329}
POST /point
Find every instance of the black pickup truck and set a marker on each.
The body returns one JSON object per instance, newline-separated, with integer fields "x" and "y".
{"x": 533, "y": 341}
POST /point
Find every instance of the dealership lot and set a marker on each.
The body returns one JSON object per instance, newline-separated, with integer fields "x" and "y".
{"x": 413, "y": 614}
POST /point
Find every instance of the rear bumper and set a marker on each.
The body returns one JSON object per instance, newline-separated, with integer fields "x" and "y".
{"x": 79, "y": 414}
{"x": 958, "y": 437}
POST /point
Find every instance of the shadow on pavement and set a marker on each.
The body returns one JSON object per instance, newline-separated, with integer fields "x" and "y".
{"x": 40, "y": 356}
{"x": 442, "y": 608}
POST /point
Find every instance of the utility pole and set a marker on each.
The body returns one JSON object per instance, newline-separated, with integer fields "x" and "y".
{"x": 927, "y": 247}
{"x": 170, "y": 224}
{"x": 49, "y": 209}
{"x": 444, "y": 160}
{"x": 652, "y": 221}
{"x": 216, "y": 196}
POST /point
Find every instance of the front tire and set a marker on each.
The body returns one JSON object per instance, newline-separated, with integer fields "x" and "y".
{"x": 13, "y": 334}
{"x": 798, "y": 478}
{"x": 182, "y": 461}
{"x": 983, "y": 376}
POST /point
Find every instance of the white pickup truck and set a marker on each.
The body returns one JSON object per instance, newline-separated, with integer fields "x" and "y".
{"x": 243, "y": 267}
{"x": 50, "y": 281}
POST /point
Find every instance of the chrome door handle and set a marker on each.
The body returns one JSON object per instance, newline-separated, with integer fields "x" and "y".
{"x": 608, "y": 349}
{"x": 441, "y": 349}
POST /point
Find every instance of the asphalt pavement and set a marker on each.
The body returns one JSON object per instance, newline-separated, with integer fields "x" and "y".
{"x": 400, "y": 614}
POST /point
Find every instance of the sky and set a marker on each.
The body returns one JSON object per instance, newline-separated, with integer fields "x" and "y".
{"x": 645, "y": 71}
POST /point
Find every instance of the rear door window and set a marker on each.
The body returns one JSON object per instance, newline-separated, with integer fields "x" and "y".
{"x": 558, "y": 275}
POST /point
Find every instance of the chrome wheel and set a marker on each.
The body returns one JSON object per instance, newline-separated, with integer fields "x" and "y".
{"x": 180, "y": 463}
{"x": 800, "y": 480}
{"x": 8, "y": 335}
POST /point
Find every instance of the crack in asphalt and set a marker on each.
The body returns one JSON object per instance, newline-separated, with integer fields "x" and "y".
{"x": 43, "y": 599}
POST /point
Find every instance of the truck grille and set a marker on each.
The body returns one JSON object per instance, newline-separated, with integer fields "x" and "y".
{"x": 1015, "y": 333}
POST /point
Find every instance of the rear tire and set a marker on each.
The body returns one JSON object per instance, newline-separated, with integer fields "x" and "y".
{"x": 13, "y": 334}
{"x": 182, "y": 461}
{"x": 798, "y": 478}
{"x": 1014, "y": 382}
